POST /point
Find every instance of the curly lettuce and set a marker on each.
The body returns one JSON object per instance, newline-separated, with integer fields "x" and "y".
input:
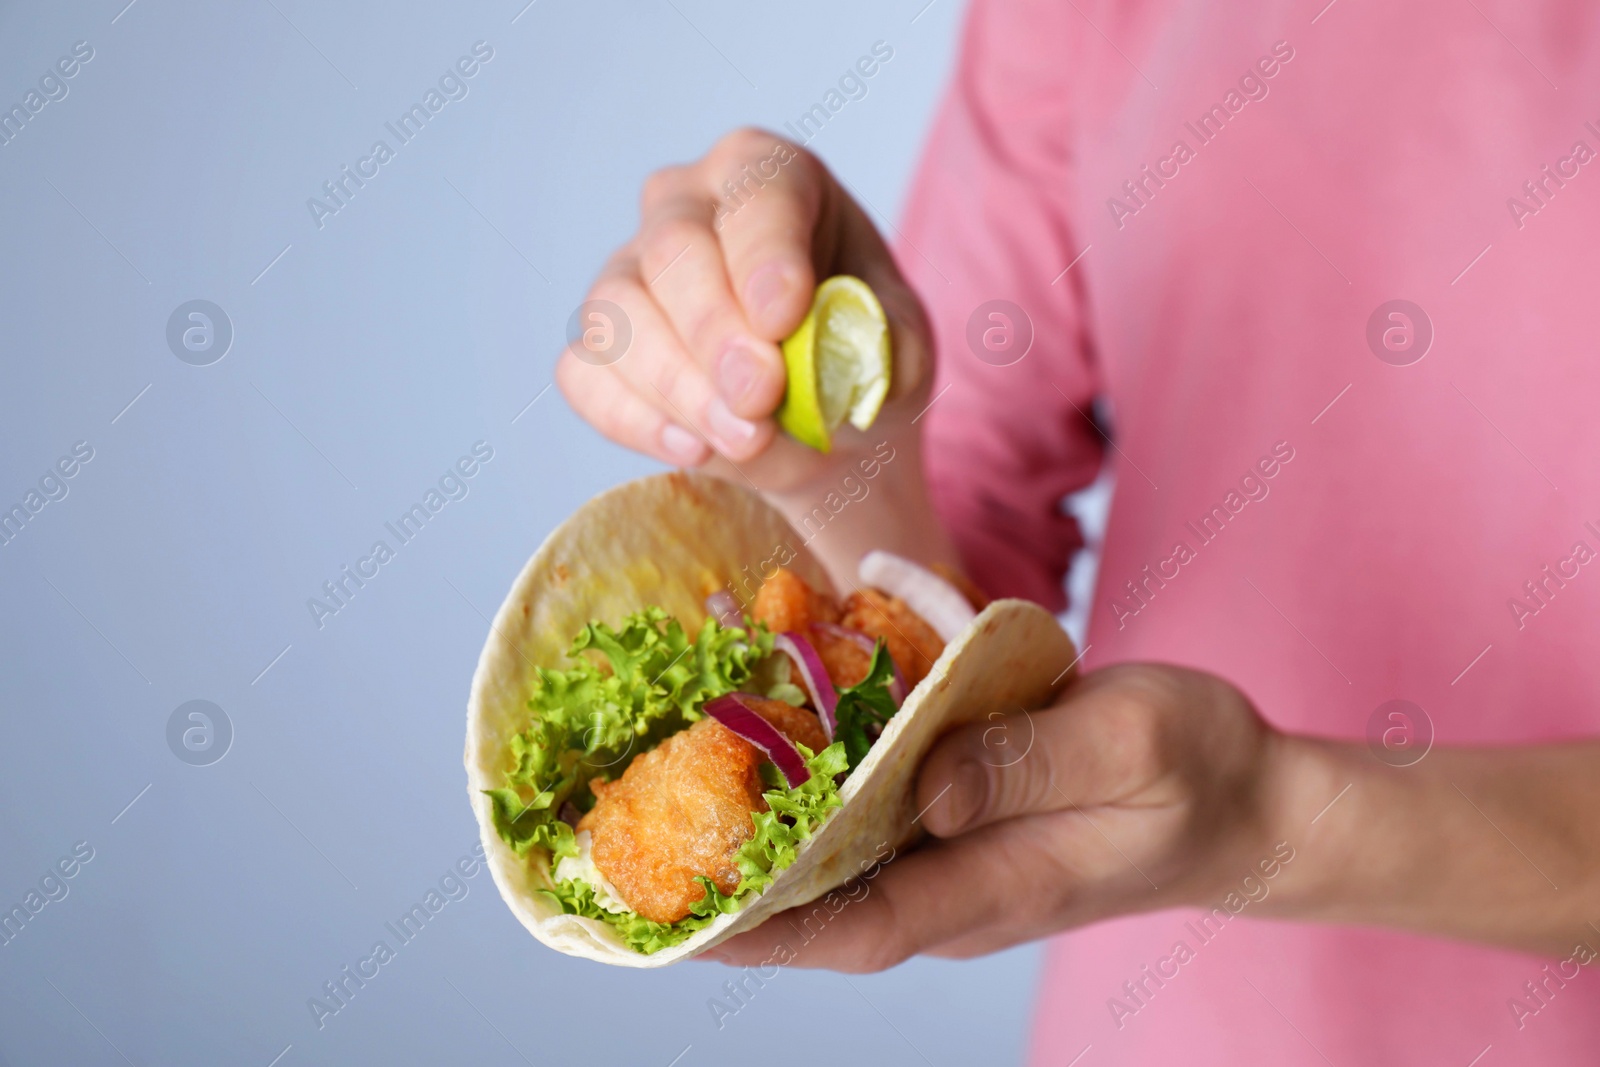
{"x": 590, "y": 720}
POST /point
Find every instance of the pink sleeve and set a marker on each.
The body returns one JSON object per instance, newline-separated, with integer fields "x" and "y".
{"x": 1006, "y": 441}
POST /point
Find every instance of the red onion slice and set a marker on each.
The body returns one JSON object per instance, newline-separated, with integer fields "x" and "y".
{"x": 813, "y": 674}
{"x": 725, "y": 609}
{"x": 733, "y": 711}
{"x": 941, "y": 605}
{"x": 897, "y": 686}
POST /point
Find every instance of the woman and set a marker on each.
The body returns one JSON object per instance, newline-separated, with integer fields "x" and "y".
{"x": 1331, "y": 270}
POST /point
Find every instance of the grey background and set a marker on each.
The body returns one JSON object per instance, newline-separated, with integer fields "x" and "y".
{"x": 422, "y": 318}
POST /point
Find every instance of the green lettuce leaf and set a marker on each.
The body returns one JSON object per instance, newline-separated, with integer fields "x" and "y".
{"x": 590, "y": 720}
{"x": 576, "y": 897}
{"x": 867, "y": 702}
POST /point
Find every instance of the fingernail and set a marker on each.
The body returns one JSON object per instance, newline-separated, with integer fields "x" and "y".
{"x": 969, "y": 793}
{"x": 678, "y": 443}
{"x": 766, "y": 287}
{"x": 726, "y": 427}
{"x": 739, "y": 370}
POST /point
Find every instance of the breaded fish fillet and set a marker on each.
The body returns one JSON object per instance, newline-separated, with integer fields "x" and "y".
{"x": 682, "y": 810}
{"x": 913, "y": 644}
{"x": 845, "y": 660}
{"x": 786, "y": 602}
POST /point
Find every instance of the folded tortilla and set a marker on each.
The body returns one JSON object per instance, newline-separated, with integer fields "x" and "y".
{"x": 671, "y": 540}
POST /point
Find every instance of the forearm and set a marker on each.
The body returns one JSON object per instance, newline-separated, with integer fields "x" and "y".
{"x": 1495, "y": 845}
{"x": 876, "y": 498}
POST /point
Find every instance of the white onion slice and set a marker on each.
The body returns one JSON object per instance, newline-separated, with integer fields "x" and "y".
{"x": 941, "y": 605}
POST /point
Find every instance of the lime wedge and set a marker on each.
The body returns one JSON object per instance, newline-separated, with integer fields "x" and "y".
{"x": 838, "y": 363}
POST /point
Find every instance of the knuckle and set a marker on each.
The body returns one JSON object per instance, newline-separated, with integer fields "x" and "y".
{"x": 578, "y": 382}
{"x": 746, "y": 146}
{"x": 579, "y": 388}
{"x": 704, "y": 326}
{"x": 1021, "y": 787}
{"x": 744, "y": 141}
{"x": 664, "y": 240}
{"x": 660, "y": 185}
{"x": 628, "y": 424}
{"x": 879, "y": 957}
{"x": 612, "y": 289}
{"x": 888, "y": 948}
{"x": 1134, "y": 738}
{"x": 681, "y": 383}
{"x": 806, "y": 166}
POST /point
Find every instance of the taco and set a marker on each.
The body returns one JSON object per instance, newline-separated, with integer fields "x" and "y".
{"x": 678, "y": 727}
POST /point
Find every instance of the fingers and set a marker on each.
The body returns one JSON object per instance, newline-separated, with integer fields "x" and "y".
{"x": 799, "y": 217}
{"x": 1101, "y": 744}
{"x": 682, "y": 263}
{"x": 771, "y": 200}
{"x": 723, "y": 266}
{"x": 659, "y": 369}
{"x": 937, "y": 895}
{"x": 610, "y": 405}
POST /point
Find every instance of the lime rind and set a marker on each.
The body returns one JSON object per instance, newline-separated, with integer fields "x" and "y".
{"x": 799, "y": 415}
{"x": 838, "y": 363}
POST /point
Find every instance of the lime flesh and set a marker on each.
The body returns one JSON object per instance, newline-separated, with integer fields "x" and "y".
{"x": 838, "y": 363}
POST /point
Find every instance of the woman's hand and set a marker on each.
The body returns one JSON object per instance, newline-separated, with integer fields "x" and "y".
{"x": 727, "y": 255}
{"x": 1145, "y": 787}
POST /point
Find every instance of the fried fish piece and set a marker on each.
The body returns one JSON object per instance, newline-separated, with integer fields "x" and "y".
{"x": 845, "y": 660}
{"x": 797, "y": 724}
{"x": 787, "y": 602}
{"x": 682, "y": 810}
{"x": 913, "y": 644}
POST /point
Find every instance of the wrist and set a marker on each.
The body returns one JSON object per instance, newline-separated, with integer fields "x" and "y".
{"x": 1312, "y": 791}
{"x": 874, "y": 496}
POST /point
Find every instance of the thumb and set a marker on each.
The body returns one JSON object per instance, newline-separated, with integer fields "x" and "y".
{"x": 1094, "y": 748}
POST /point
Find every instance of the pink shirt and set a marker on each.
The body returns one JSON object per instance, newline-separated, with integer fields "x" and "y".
{"x": 1353, "y": 530}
